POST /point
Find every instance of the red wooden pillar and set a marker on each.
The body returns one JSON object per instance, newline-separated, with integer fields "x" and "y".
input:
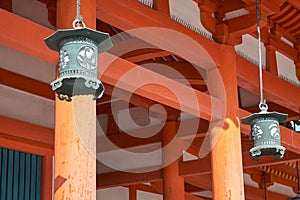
{"x": 271, "y": 62}
{"x": 227, "y": 171}
{"x": 173, "y": 184}
{"x": 132, "y": 193}
{"x": 75, "y": 125}
{"x": 162, "y": 6}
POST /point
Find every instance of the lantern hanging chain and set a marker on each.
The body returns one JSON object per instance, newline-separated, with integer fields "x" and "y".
{"x": 262, "y": 103}
{"x": 78, "y": 22}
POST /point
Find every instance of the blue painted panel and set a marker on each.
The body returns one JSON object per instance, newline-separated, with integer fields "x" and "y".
{"x": 20, "y": 175}
{"x": 38, "y": 177}
{"x": 10, "y": 170}
{"x": 33, "y": 179}
{"x": 16, "y": 176}
{"x": 3, "y": 174}
{"x": 27, "y": 176}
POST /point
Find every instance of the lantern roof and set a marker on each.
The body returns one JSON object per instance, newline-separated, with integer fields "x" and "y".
{"x": 102, "y": 39}
{"x": 249, "y": 119}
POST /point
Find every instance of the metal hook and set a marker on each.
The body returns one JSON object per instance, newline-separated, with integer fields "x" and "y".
{"x": 78, "y": 22}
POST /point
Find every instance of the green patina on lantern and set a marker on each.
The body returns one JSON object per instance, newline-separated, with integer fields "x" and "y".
{"x": 265, "y": 133}
{"x": 78, "y": 57}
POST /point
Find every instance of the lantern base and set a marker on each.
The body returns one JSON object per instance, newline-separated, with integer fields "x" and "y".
{"x": 267, "y": 150}
{"x": 66, "y": 88}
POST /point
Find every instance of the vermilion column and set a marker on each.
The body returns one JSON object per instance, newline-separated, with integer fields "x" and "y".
{"x": 132, "y": 193}
{"x": 227, "y": 171}
{"x": 271, "y": 62}
{"x": 162, "y": 6}
{"x": 75, "y": 125}
{"x": 173, "y": 184}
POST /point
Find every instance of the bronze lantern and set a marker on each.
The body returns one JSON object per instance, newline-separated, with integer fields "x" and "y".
{"x": 265, "y": 133}
{"x": 78, "y": 57}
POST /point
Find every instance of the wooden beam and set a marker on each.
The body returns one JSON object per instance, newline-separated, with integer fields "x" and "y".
{"x": 152, "y": 85}
{"x": 275, "y": 89}
{"x": 242, "y": 25}
{"x": 147, "y": 56}
{"x": 39, "y": 135}
{"x": 126, "y": 140}
{"x": 273, "y": 39}
{"x": 125, "y": 178}
{"x": 26, "y": 84}
{"x": 25, "y": 36}
{"x": 183, "y": 68}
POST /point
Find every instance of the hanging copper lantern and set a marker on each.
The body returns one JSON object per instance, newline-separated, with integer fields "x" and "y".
{"x": 78, "y": 54}
{"x": 265, "y": 133}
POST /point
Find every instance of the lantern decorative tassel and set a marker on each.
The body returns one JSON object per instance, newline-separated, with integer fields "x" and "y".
{"x": 78, "y": 58}
{"x": 265, "y": 131}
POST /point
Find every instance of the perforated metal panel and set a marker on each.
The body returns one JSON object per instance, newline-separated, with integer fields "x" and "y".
{"x": 20, "y": 175}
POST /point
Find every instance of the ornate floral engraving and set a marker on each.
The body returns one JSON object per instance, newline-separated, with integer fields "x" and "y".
{"x": 256, "y": 132}
{"x": 63, "y": 58}
{"x": 86, "y": 57}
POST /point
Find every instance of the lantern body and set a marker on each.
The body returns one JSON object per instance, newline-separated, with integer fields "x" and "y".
{"x": 78, "y": 60}
{"x": 265, "y": 134}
